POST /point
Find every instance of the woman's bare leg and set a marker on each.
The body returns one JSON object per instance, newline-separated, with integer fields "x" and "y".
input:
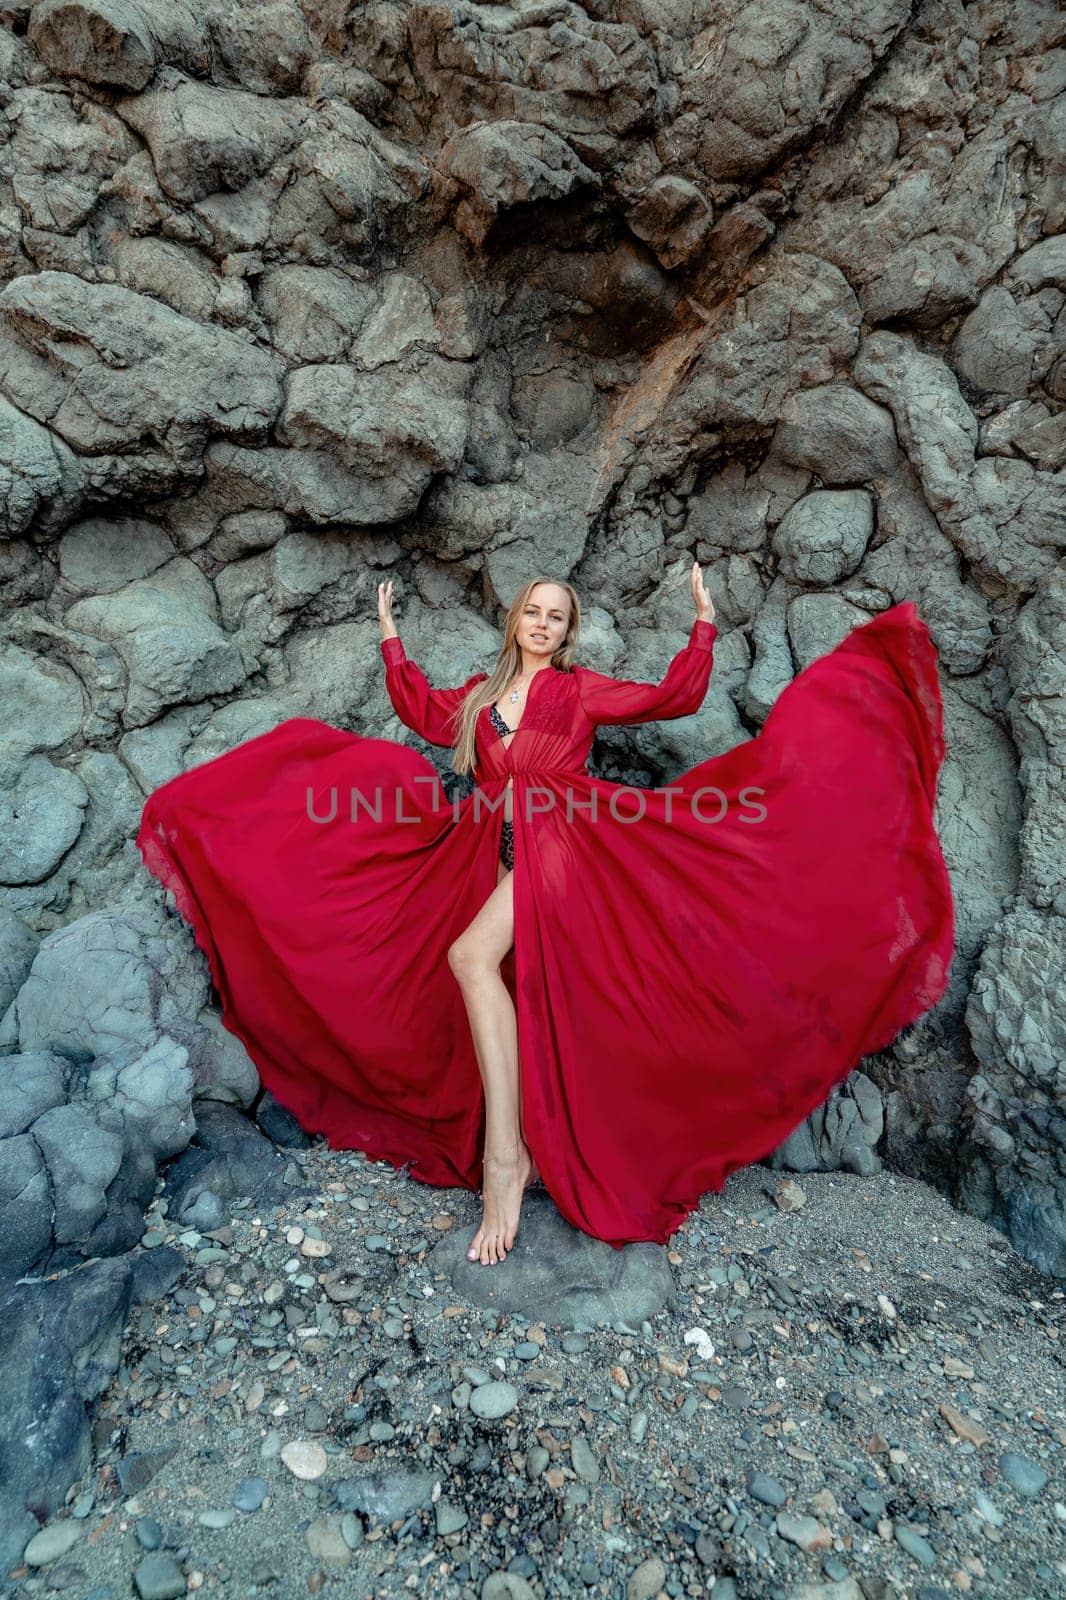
{"x": 475, "y": 960}
{"x": 534, "y": 1176}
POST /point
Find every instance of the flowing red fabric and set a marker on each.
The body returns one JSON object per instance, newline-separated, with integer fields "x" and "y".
{"x": 693, "y": 969}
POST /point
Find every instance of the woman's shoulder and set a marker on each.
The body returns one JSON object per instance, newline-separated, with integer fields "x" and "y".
{"x": 580, "y": 673}
{"x": 564, "y": 679}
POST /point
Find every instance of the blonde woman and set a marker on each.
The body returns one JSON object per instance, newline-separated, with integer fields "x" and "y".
{"x": 628, "y": 991}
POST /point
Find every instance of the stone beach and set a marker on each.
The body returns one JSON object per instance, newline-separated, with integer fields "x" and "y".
{"x": 852, "y": 1395}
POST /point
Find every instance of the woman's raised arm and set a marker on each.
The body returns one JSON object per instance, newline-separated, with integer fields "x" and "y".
{"x": 424, "y": 709}
{"x": 681, "y": 692}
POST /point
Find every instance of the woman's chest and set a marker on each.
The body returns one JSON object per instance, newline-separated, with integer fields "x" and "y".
{"x": 551, "y": 712}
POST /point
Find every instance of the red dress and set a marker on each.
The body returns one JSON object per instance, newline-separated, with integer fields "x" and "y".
{"x": 693, "y": 967}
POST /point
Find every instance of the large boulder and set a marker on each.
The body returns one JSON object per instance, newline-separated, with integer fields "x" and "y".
{"x": 119, "y": 43}
{"x": 40, "y": 479}
{"x": 112, "y": 370}
{"x": 203, "y": 139}
{"x": 165, "y": 629}
{"x": 111, "y": 984}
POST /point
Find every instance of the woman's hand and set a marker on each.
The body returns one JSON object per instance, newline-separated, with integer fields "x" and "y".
{"x": 388, "y": 626}
{"x": 704, "y": 604}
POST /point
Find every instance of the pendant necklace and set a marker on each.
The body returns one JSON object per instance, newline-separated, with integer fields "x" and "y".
{"x": 513, "y": 696}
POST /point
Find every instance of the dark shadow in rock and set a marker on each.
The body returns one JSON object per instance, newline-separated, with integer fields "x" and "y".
{"x": 230, "y": 1157}
{"x": 559, "y": 1275}
{"x": 279, "y": 1124}
{"x": 155, "y": 1272}
{"x": 62, "y": 1344}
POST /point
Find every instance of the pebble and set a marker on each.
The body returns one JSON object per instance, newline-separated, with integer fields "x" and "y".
{"x": 450, "y": 1518}
{"x": 326, "y": 1542}
{"x": 304, "y": 1458}
{"x": 807, "y": 1533}
{"x": 506, "y": 1586}
{"x": 987, "y": 1509}
{"x": 139, "y": 1467}
{"x": 702, "y": 1341}
{"x": 965, "y": 1427}
{"x": 395, "y": 1493}
{"x": 646, "y": 1581}
{"x": 910, "y": 1539}
{"x": 765, "y": 1489}
{"x": 352, "y": 1529}
{"x": 316, "y": 1417}
{"x": 255, "y": 1397}
{"x": 51, "y": 1542}
{"x": 582, "y": 1459}
{"x": 494, "y": 1400}
{"x": 250, "y": 1494}
{"x": 158, "y": 1577}
{"x": 1023, "y": 1475}
{"x": 220, "y": 1517}
{"x": 788, "y": 1196}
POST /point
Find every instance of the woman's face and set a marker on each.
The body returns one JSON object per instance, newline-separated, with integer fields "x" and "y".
{"x": 542, "y": 625}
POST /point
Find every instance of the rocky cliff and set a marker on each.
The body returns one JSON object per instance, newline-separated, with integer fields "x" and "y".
{"x": 297, "y": 296}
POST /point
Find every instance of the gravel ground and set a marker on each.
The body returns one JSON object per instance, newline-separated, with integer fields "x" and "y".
{"x": 858, "y": 1394}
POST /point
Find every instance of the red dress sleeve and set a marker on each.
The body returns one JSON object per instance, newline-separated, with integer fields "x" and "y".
{"x": 427, "y": 711}
{"x": 682, "y": 690}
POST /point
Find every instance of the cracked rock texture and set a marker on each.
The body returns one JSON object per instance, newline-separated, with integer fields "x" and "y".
{"x": 294, "y": 297}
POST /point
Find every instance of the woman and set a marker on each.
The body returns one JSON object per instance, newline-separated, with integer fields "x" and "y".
{"x": 628, "y": 991}
{"x": 540, "y": 634}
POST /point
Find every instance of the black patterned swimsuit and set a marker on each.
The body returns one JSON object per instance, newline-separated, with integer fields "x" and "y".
{"x": 507, "y": 829}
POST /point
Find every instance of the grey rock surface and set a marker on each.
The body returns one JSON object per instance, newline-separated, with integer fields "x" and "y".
{"x": 119, "y": 43}
{"x": 287, "y": 305}
{"x": 562, "y": 1273}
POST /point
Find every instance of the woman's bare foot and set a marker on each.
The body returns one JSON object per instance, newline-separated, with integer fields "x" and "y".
{"x": 504, "y": 1182}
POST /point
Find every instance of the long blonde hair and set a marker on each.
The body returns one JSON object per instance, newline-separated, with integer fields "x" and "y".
{"x": 508, "y": 666}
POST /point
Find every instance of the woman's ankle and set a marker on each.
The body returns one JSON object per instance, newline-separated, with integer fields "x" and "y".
{"x": 510, "y": 1154}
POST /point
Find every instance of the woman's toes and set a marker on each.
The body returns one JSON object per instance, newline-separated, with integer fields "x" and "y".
{"x": 502, "y": 1200}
